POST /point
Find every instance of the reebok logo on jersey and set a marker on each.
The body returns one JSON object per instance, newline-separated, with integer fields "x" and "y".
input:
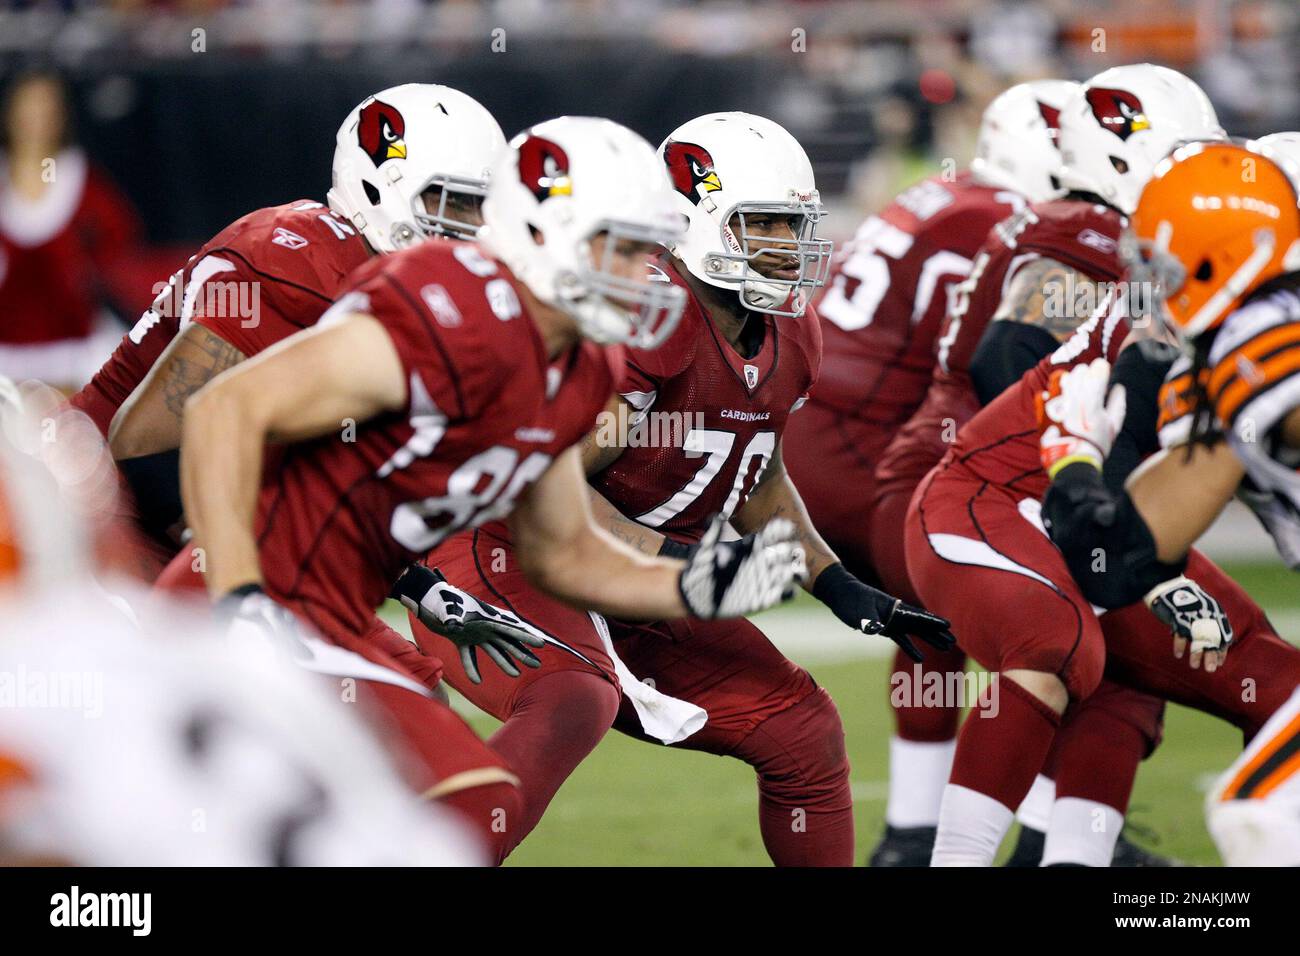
{"x": 1095, "y": 240}
{"x": 290, "y": 240}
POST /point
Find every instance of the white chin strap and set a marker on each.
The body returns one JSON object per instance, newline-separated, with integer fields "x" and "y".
{"x": 600, "y": 321}
{"x": 763, "y": 295}
{"x": 1291, "y": 261}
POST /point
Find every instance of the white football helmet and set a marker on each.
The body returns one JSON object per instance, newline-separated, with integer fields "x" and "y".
{"x": 400, "y": 143}
{"x": 559, "y": 185}
{"x": 1017, "y": 145}
{"x": 1284, "y": 147}
{"x": 1124, "y": 121}
{"x": 725, "y": 167}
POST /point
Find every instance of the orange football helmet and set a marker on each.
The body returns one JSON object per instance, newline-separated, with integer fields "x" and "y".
{"x": 1215, "y": 222}
{"x": 10, "y": 551}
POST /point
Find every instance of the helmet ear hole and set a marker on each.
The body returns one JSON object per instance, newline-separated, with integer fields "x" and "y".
{"x": 1120, "y": 165}
{"x": 371, "y": 192}
{"x": 1204, "y": 271}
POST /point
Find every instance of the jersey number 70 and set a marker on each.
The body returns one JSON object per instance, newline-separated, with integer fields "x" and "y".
{"x": 715, "y": 445}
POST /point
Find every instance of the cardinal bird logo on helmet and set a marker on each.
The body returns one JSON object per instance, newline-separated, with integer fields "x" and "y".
{"x": 1118, "y": 111}
{"x": 1052, "y": 117}
{"x": 690, "y": 167}
{"x": 544, "y": 168}
{"x": 380, "y": 132}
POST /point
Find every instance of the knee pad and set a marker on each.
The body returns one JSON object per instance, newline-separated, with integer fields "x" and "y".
{"x": 799, "y": 754}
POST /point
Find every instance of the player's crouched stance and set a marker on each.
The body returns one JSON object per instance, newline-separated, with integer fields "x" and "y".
{"x": 445, "y": 390}
{"x": 735, "y": 369}
{"x": 1224, "y": 248}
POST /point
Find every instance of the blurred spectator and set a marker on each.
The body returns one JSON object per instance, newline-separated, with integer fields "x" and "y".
{"x": 63, "y": 230}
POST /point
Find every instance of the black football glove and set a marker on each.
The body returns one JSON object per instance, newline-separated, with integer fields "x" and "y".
{"x": 467, "y": 622}
{"x": 872, "y": 611}
{"x": 1195, "y": 617}
{"x": 735, "y": 578}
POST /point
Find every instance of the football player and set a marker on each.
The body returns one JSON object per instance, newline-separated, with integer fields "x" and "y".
{"x": 1218, "y": 230}
{"x": 697, "y": 431}
{"x": 409, "y": 162}
{"x": 974, "y": 522}
{"x": 161, "y": 744}
{"x": 881, "y": 314}
{"x": 447, "y": 387}
{"x": 921, "y": 755}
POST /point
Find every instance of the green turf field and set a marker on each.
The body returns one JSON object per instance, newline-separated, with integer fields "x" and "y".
{"x": 635, "y": 804}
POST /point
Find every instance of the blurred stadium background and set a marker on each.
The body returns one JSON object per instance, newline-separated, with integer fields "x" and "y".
{"x": 197, "y": 111}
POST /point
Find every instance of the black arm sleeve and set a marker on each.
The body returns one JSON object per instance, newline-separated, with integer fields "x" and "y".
{"x": 1007, "y": 350}
{"x": 1106, "y": 543}
{"x": 675, "y": 549}
{"x": 1141, "y": 369}
{"x": 155, "y": 482}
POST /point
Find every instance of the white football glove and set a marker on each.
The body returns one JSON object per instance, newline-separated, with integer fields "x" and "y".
{"x": 467, "y": 622}
{"x": 1196, "y": 618}
{"x": 250, "y": 610}
{"x": 735, "y": 578}
{"x": 1077, "y": 420}
{"x": 252, "y": 617}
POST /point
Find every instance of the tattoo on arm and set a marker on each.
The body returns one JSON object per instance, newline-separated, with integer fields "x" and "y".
{"x": 816, "y": 551}
{"x": 633, "y": 534}
{"x": 774, "y": 496}
{"x": 1050, "y": 295}
{"x": 199, "y": 359}
{"x": 596, "y": 455}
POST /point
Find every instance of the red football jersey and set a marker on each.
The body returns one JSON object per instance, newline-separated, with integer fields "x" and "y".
{"x": 1079, "y": 234}
{"x": 259, "y": 280}
{"x": 486, "y": 413}
{"x": 889, "y": 292}
{"x": 1000, "y": 444}
{"x": 712, "y": 419}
